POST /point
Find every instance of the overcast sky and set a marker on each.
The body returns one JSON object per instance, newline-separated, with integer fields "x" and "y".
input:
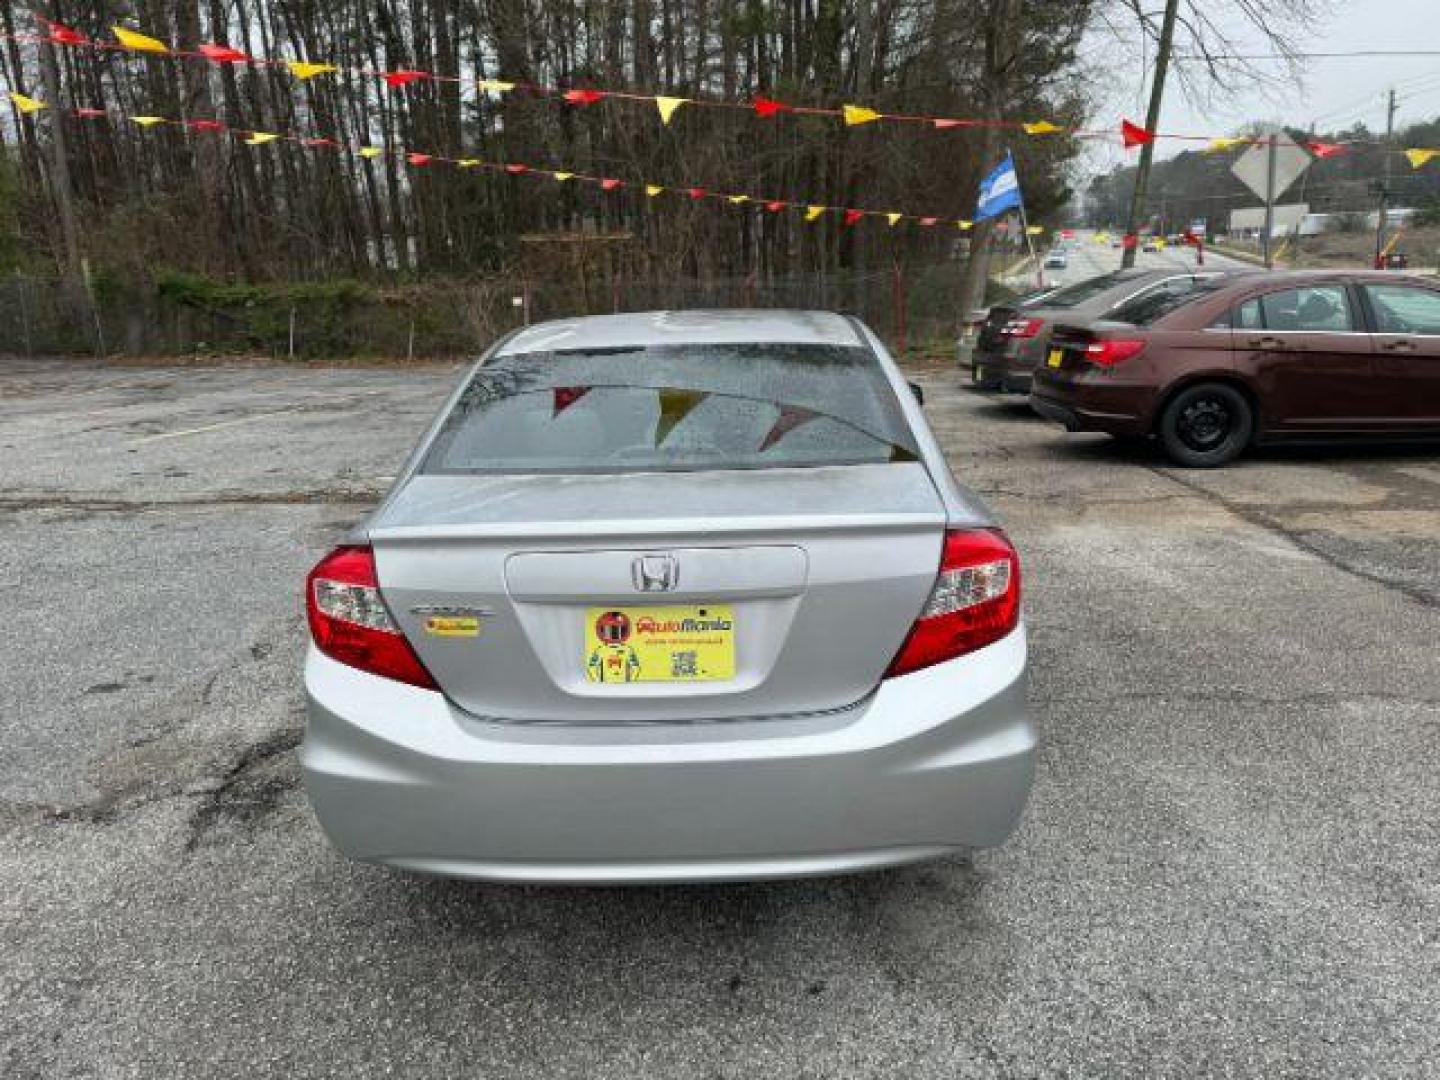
{"x": 1334, "y": 92}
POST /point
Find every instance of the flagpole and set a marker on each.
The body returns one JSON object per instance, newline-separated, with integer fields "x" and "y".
{"x": 1025, "y": 228}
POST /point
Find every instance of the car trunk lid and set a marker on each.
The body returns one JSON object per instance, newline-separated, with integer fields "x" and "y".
{"x": 792, "y": 588}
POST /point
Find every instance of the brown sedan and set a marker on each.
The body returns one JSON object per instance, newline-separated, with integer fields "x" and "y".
{"x": 1257, "y": 358}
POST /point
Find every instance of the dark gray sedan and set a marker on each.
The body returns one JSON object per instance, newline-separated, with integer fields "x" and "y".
{"x": 1014, "y": 337}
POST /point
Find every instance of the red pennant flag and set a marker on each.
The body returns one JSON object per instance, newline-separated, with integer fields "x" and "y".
{"x": 90, "y": 114}
{"x": 775, "y": 205}
{"x": 928, "y": 220}
{"x": 1324, "y": 149}
{"x": 852, "y": 216}
{"x": 1129, "y": 240}
{"x": 767, "y": 107}
{"x": 61, "y": 34}
{"x": 516, "y": 170}
{"x": 224, "y": 54}
{"x": 582, "y": 97}
{"x": 1133, "y": 135}
{"x": 565, "y": 396}
{"x": 943, "y": 124}
{"x": 609, "y": 184}
{"x": 317, "y": 142}
{"x": 205, "y": 125}
{"x": 697, "y": 193}
{"x": 403, "y": 77}
{"x": 418, "y": 159}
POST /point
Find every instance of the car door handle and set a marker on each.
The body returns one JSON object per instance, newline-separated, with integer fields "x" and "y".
{"x": 1266, "y": 342}
{"x": 1398, "y": 346}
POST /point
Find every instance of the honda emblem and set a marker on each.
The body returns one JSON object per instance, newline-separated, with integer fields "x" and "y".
{"x": 655, "y": 573}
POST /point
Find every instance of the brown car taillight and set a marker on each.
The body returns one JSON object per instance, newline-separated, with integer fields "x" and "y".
{"x": 975, "y": 601}
{"x": 350, "y": 623}
{"x": 1111, "y": 351}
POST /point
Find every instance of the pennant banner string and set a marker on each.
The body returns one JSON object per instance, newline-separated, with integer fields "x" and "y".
{"x": 417, "y": 159}
{"x": 134, "y": 42}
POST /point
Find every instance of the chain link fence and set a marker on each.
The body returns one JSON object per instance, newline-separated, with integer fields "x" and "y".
{"x": 908, "y": 306}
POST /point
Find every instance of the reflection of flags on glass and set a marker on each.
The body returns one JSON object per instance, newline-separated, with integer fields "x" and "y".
{"x": 1000, "y": 191}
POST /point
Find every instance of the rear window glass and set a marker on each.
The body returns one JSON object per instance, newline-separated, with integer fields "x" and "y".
{"x": 1081, "y": 291}
{"x": 1149, "y": 306}
{"x": 674, "y": 407}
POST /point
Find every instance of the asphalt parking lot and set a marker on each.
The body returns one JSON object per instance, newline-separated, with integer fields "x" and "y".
{"x": 1231, "y": 865}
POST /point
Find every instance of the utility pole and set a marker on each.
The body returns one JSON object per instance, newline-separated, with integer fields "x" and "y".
{"x": 1152, "y": 120}
{"x": 1380, "y": 221}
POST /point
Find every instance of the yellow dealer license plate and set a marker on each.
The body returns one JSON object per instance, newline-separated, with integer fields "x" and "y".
{"x": 1056, "y": 357}
{"x": 692, "y": 643}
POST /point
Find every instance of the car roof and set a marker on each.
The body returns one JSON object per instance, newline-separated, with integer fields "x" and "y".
{"x": 719, "y": 327}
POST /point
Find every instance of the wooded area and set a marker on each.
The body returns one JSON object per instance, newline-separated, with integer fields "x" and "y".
{"x": 150, "y": 199}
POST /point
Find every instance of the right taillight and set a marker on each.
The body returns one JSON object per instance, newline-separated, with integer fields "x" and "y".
{"x": 350, "y": 623}
{"x": 975, "y": 601}
{"x": 1108, "y": 352}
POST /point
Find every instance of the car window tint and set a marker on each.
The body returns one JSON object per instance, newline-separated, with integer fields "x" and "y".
{"x": 1402, "y": 309}
{"x": 1085, "y": 290}
{"x": 1161, "y": 299}
{"x": 1315, "y": 309}
{"x": 674, "y": 407}
{"x": 1247, "y": 316}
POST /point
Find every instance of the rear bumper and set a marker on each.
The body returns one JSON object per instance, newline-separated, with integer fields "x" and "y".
{"x": 1090, "y": 409}
{"x": 932, "y": 762}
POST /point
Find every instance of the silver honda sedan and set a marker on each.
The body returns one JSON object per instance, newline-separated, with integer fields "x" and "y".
{"x": 675, "y": 596}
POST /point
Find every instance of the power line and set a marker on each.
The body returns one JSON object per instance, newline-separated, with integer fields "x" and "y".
{"x": 1205, "y": 58}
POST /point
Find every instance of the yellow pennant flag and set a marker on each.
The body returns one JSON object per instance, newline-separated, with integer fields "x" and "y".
{"x": 962, "y": 225}
{"x": 307, "y": 69}
{"x": 26, "y": 104}
{"x": 148, "y": 121}
{"x": 1417, "y": 157}
{"x": 1035, "y": 230}
{"x": 1223, "y": 144}
{"x": 667, "y": 107}
{"x": 139, "y": 42}
{"x": 738, "y": 199}
{"x": 370, "y": 151}
{"x": 563, "y": 176}
{"x": 260, "y": 138}
{"x": 813, "y": 212}
{"x": 467, "y": 163}
{"x": 858, "y": 114}
{"x": 893, "y": 218}
{"x": 1040, "y": 127}
{"x": 653, "y": 189}
{"x": 496, "y": 86}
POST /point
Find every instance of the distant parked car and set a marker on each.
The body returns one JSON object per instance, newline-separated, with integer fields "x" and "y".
{"x": 1057, "y": 259}
{"x": 1253, "y": 358}
{"x": 1014, "y": 337}
{"x": 1150, "y": 244}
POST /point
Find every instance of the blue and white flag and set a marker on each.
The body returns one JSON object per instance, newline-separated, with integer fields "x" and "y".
{"x": 1000, "y": 191}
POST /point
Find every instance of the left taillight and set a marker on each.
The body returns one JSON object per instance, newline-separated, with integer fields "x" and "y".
{"x": 1023, "y": 328}
{"x": 975, "y": 601}
{"x": 350, "y": 623}
{"x": 1107, "y": 352}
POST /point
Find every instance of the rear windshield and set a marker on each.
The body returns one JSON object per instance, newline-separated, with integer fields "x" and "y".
{"x": 1144, "y": 309}
{"x": 1081, "y": 291}
{"x": 674, "y": 407}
